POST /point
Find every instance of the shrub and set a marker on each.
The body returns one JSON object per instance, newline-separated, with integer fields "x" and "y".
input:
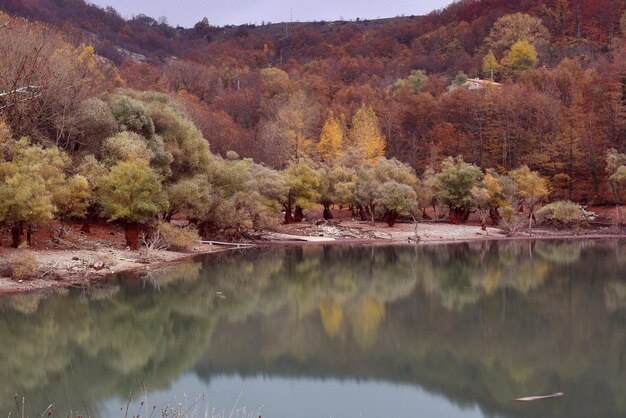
{"x": 562, "y": 212}
{"x": 23, "y": 266}
{"x": 179, "y": 238}
{"x": 511, "y": 222}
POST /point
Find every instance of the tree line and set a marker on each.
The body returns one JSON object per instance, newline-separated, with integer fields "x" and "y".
{"x": 77, "y": 143}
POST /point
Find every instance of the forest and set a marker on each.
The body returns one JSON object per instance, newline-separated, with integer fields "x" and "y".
{"x": 486, "y": 106}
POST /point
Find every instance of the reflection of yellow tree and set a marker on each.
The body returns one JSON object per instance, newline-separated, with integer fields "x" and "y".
{"x": 366, "y": 320}
{"x": 332, "y": 317}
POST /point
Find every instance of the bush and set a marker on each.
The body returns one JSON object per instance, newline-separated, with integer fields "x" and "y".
{"x": 562, "y": 212}
{"x": 511, "y": 222}
{"x": 179, "y": 238}
{"x": 23, "y": 266}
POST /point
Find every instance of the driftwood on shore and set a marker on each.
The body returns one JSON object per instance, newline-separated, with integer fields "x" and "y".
{"x": 229, "y": 244}
{"x": 541, "y": 397}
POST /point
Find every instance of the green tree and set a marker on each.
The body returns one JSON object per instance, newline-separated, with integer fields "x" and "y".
{"x": 132, "y": 194}
{"x": 416, "y": 81}
{"x": 616, "y": 170}
{"x": 29, "y": 184}
{"x": 454, "y": 186}
{"x": 131, "y": 115}
{"x": 73, "y": 199}
{"x": 337, "y": 187}
{"x": 394, "y": 199}
{"x": 304, "y": 184}
{"x": 531, "y": 189}
{"x": 371, "y": 181}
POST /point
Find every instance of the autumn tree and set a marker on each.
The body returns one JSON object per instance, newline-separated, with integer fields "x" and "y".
{"x": 365, "y": 135}
{"x": 331, "y": 143}
{"x": 131, "y": 193}
{"x": 29, "y": 184}
{"x": 288, "y": 133}
{"x": 73, "y": 199}
{"x": 513, "y": 28}
{"x": 531, "y": 188}
{"x": 454, "y": 187}
{"x": 522, "y": 56}
{"x": 490, "y": 65}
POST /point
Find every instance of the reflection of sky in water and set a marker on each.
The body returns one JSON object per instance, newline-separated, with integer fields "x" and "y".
{"x": 301, "y": 398}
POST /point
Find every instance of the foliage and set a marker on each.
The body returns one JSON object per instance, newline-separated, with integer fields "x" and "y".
{"x": 490, "y": 65}
{"x": 131, "y": 192}
{"x": 125, "y": 146}
{"x": 395, "y": 199}
{"x": 454, "y": 187}
{"x": 387, "y": 182}
{"x": 179, "y": 238}
{"x": 304, "y": 185}
{"x": 414, "y": 82}
{"x": 531, "y": 188}
{"x": 132, "y": 115}
{"x": 331, "y": 143}
{"x": 23, "y": 265}
{"x": 561, "y": 212}
{"x": 512, "y": 28}
{"x": 73, "y": 200}
{"x": 522, "y": 56}
{"x": 365, "y": 135}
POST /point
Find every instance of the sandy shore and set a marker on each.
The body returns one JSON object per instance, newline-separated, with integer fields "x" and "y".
{"x": 64, "y": 267}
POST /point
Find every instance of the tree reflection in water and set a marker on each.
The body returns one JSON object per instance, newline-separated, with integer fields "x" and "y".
{"x": 478, "y": 323}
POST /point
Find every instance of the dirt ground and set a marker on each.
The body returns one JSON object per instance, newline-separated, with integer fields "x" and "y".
{"x": 77, "y": 258}
{"x": 74, "y": 257}
{"x": 345, "y": 226}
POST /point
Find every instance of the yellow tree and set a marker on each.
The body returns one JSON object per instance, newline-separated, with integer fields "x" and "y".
{"x": 330, "y": 145}
{"x": 365, "y": 135}
{"x": 490, "y": 65}
{"x": 522, "y": 56}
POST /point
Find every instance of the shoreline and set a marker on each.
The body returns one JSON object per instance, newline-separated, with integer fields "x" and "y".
{"x": 64, "y": 268}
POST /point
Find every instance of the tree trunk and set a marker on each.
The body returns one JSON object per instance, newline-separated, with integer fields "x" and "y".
{"x": 288, "y": 217}
{"x": 390, "y": 217}
{"x": 370, "y": 211}
{"x": 457, "y": 216}
{"x": 362, "y": 213}
{"x": 298, "y": 215}
{"x": 495, "y": 217}
{"x": 29, "y": 234}
{"x": 327, "y": 214}
{"x": 131, "y": 233}
{"x": 17, "y": 230}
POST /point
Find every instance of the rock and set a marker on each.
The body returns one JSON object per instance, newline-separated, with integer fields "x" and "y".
{"x": 97, "y": 265}
{"x": 75, "y": 258}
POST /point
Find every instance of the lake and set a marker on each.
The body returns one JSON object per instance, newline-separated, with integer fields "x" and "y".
{"x": 456, "y": 330}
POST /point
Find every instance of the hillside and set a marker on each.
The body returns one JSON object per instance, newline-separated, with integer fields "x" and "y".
{"x": 517, "y": 88}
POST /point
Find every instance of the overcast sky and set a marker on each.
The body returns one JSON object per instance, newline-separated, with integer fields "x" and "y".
{"x": 223, "y": 12}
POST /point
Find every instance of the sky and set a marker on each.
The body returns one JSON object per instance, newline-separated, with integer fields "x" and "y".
{"x": 224, "y": 12}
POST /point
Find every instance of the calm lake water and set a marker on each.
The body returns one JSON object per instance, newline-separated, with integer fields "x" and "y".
{"x": 453, "y": 331}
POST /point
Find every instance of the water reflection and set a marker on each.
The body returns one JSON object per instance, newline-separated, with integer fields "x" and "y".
{"x": 479, "y": 324}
